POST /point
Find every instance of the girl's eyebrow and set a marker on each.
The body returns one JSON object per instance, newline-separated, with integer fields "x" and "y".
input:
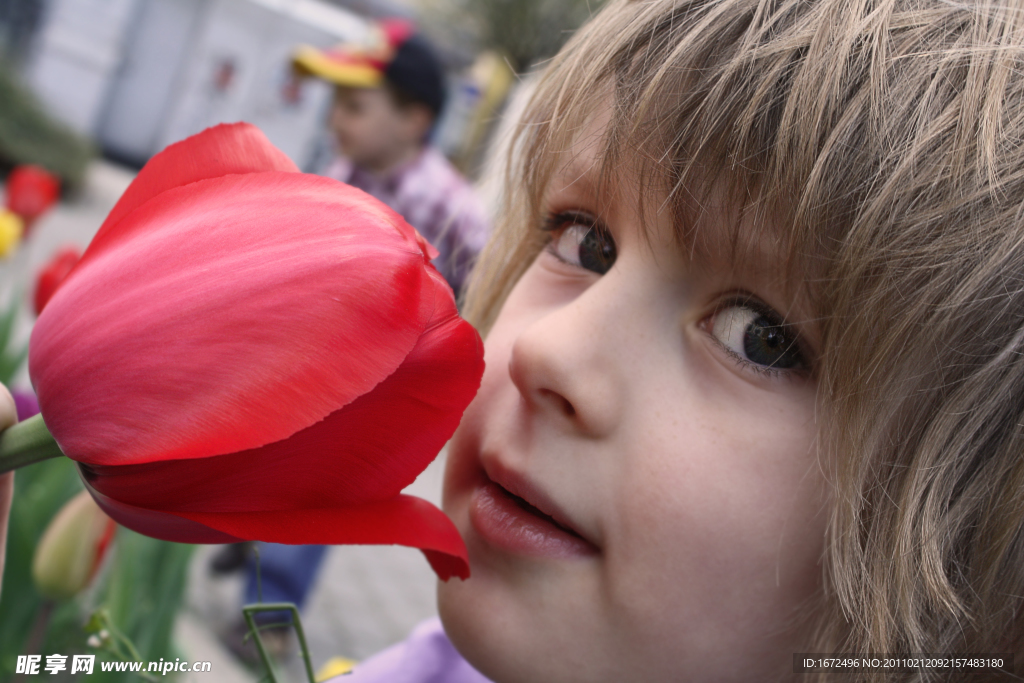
{"x": 570, "y": 192}
{"x": 577, "y": 172}
{"x": 580, "y": 171}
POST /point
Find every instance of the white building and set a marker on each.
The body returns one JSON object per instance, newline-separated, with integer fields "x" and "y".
{"x": 137, "y": 75}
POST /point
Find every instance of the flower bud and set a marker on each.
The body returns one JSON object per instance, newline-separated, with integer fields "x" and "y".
{"x": 72, "y": 548}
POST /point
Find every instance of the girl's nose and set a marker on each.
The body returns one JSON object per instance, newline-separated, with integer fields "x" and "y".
{"x": 569, "y": 363}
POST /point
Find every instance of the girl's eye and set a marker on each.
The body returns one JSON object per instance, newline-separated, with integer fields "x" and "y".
{"x": 757, "y": 337}
{"x": 580, "y": 240}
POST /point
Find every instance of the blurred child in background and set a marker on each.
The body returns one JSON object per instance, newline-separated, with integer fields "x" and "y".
{"x": 387, "y": 99}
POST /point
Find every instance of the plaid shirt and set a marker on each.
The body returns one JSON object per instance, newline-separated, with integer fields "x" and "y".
{"x": 433, "y": 198}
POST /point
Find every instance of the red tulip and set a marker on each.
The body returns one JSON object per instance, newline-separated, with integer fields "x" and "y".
{"x": 245, "y": 352}
{"x": 53, "y": 274}
{"x": 31, "y": 191}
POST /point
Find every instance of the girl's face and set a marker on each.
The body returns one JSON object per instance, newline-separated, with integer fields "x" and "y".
{"x": 637, "y": 481}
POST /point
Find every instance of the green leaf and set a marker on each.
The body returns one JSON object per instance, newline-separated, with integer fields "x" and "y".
{"x": 10, "y": 363}
{"x": 142, "y": 594}
{"x": 141, "y": 589}
{"x": 8, "y": 316}
{"x": 40, "y": 490}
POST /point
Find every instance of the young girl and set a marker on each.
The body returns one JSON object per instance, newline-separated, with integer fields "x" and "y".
{"x": 755, "y": 355}
{"x": 755, "y": 329}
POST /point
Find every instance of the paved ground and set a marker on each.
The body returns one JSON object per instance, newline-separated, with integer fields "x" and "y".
{"x": 365, "y": 599}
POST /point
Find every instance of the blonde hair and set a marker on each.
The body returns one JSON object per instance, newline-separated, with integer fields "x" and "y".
{"x": 881, "y": 142}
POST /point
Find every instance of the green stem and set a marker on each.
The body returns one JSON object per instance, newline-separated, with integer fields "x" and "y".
{"x": 26, "y": 443}
{"x": 249, "y": 610}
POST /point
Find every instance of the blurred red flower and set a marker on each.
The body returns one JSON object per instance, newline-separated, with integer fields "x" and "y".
{"x": 31, "y": 191}
{"x": 52, "y": 274}
{"x": 245, "y": 352}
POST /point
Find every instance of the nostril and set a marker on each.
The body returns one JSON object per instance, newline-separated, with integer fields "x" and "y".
{"x": 560, "y": 401}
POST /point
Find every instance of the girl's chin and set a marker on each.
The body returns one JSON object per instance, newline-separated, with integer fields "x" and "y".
{"x": 476, "y": 627}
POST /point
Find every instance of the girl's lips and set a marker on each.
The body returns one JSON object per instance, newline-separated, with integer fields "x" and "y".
{"x": 511, "y": 523}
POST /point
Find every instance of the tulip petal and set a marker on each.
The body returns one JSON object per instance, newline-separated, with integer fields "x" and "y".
{"x": 370, "y": 450}
{"x": 318, "y": 485}
{"x": 218, "y": 151}
{"x": 219, "y": 349}
{"x": 159, "y": 525}
{"x": 429, "y": 252}
{"x": 402, "y": 520}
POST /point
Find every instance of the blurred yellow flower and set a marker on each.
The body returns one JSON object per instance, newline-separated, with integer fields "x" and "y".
{"x": 335, "y": 666}
{"x": 11, "y": 230}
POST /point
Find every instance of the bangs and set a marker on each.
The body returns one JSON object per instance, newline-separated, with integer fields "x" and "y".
{"x": 688, "y": 122}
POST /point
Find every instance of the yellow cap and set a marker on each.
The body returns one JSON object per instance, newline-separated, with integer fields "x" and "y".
{"x": 340, "y": 66}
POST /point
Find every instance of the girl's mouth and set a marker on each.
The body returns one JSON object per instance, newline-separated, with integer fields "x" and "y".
{"x": 514, "y": 524}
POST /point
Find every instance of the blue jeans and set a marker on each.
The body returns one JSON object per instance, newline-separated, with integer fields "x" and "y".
{"x": 287, "y": 573}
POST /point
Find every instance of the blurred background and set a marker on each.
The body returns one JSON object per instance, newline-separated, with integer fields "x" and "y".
{"x": 89, "y": 91}
{"x": 130, "y": 77}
